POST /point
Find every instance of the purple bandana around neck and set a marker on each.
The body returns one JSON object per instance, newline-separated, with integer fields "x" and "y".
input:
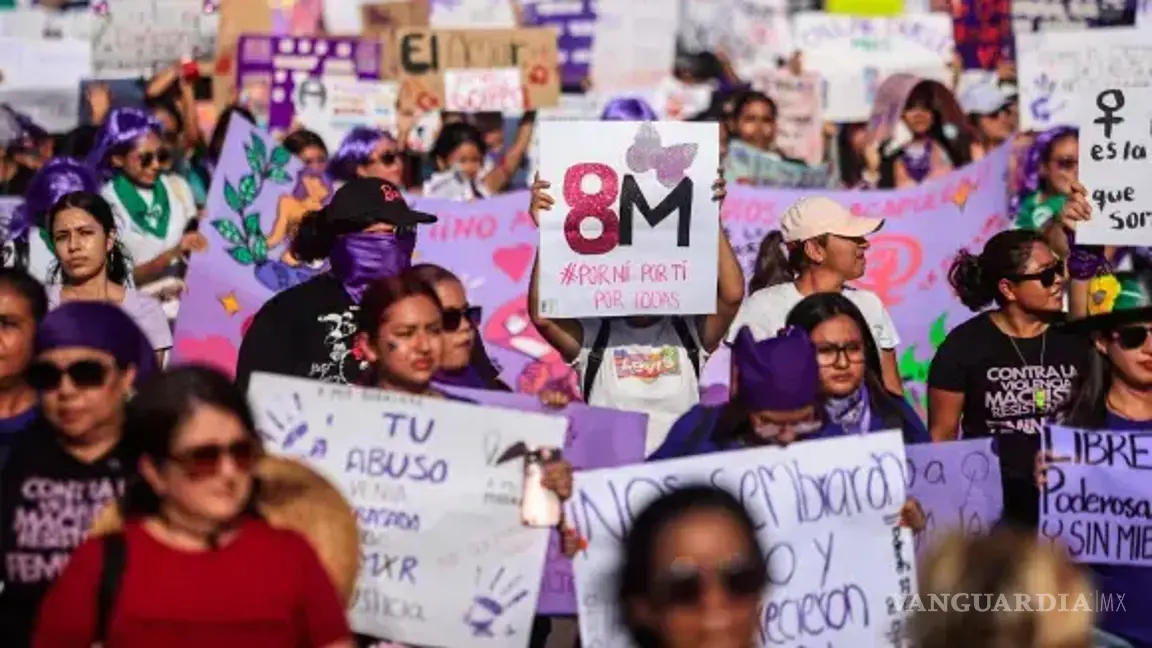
{"x": 359, "y": 259}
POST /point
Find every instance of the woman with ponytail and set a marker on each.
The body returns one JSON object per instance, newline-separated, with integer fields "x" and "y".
{"x": 366, "y": 233}
{"x": 92, "y": 264}
{"x": 1004, "y": 372}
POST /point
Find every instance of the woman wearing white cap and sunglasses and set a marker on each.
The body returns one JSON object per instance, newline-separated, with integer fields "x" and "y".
{"x": 819, "y": 248}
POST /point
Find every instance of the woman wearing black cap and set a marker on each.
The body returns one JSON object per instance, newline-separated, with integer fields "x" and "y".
{"x": 367, "y": 232}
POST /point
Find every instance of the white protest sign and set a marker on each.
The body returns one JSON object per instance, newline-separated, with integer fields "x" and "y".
{"x": 826, "y": 515}
{"x": 43, "y": 22}
{"x": 143, "y": 36}
{"x": 634, "y": 229}
{"x": 633, "y": 45}
{"x": 350, "y": 103}
{"x": 1115, "y": 143}
{"x": 853, "y": 55}
{"x": 444, "y": 559}
{"x": 471, "y": 14}
{"x": 1054, "y": 66}
{"x": 472, "y": 91}
{"x": 800, "y": 124}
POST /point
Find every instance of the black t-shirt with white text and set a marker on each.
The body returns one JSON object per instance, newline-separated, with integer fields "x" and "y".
{"x": 1010, "y": 390}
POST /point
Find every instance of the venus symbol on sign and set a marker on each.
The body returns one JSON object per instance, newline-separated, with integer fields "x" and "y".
{"x": 1108, "y": 119}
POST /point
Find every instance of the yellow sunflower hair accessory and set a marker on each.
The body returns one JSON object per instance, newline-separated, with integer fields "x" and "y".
{"x": 1102, "y": 293}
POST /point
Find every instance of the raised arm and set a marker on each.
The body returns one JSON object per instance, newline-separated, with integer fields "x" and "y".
{"x": 729, "y": 282}
{"x": 565, "y": 335}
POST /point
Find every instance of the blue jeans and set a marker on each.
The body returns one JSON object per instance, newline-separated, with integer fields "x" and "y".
{"x": 1101, "y": 639}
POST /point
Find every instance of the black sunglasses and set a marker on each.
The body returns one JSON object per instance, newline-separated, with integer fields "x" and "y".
{"x": 161, "y": 157}
{"x": 454, "y": 317}
{"x": 387, "y": 159}
{"x": 682, "y": 585}
{"x": 84, "y": 374}
{"x": 1066, "y": 163}
{"x": 204, "y": 461}
{"x": 1046, "y": 277}
{"x": 1131, "y": 337}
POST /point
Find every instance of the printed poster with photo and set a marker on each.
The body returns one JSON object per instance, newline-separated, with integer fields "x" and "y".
{"x": 436, "y": 484}
{"x": 634, "y": 230}
{"x": 142, "y": 37}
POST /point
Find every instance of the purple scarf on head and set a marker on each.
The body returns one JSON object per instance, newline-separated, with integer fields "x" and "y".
{"x": 359, "y": 259}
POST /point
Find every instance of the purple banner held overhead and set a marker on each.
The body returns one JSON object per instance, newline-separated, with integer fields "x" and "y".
{"x": 280, "y": 76}
{"x": 958, "y": 484}
{"x": 597, "y": 438}
{"x": 259, "y": 194}
{"x": 1096, "y": 502}
{"x": 576, "y": 21}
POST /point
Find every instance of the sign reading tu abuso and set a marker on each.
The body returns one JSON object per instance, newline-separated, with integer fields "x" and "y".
{"x": 633, "y": 230}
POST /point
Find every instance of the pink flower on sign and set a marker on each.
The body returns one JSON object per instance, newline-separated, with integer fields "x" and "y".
{"x": 671, "y": 163}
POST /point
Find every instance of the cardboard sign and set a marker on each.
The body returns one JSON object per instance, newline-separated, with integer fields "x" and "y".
{"x": 425, "y": 55}
{"x": 384, "y": 18}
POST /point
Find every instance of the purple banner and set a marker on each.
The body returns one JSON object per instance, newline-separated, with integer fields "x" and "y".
{"x": 259, "y": 194}
{"x": 1096, "y": 501}
{"x": 575, "y": 20}
{"x": 597, "y": 438}
{"x": 908, "y": 260}
{"x": 958, "y": 484}
{"x": 278, "y": 76}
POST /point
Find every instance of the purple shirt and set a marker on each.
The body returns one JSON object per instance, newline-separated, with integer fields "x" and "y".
{"x": 142, "y": 308}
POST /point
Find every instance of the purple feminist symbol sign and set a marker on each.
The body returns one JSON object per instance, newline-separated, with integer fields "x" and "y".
{"x": 957, "y": 484}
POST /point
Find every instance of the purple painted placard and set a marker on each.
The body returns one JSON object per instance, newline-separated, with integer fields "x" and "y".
{"x": 597, "y": 438}
{"x": 278, "y": 75}
{"x": 958, "y": 484}
{"x": 1096, "y": 499}
{"x": 575, "y": 20}
{"x": 258, "y": 190}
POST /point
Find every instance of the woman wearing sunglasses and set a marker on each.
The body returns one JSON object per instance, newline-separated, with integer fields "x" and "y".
{"x": 154, "y": 210}
{"x": 1004, "y": 372}
{"x": 694, "y": 572}
{"x": 369, "y": 153}
{"x": 464, "y": 362}
{"x": 70, "y": 462}
{"x": 367, "y": 232}
{"x": 201, "y": 568}
{"x": 851, "y": 385}
{"x": 1114, "y": 393}
{"x": 92, "y": 264}
{"x": 308, "y": 146}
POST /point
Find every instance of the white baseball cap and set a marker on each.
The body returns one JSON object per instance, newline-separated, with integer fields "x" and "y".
{"x": 816, "y": 215}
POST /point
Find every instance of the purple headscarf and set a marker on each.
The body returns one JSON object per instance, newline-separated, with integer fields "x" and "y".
{"x": 17, "y": 131}
{"x": 778, "y": 374}
{"x": 59, "y": 177}
{"x": 1033, "y": 158}
{"x": 101, "y": 326}
{"x": 628, "y": 109}
{"x": 355, "y": 150}
{"x": 123, "y": 126}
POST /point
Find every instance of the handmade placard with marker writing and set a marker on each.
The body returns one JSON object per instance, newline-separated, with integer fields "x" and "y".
{"x": 825, "y": 513}
{"x": 1115, "y": 145}
{"x": 444, "y": 558}
{"x": 1096, "y": 500}
{"x": 958, "y": 485}
{"x": 634, "y": 229}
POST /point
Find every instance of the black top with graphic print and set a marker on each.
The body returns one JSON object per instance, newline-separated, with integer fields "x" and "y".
{"x": 306, "y": 331}
{"x": 1011, "y": 387}
{"x": 48, "y": 501}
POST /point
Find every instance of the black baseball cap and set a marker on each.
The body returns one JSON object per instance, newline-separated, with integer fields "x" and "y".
{"x": 363, "y": 202}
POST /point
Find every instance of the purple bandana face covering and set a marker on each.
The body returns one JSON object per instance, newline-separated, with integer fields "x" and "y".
{"x": 359, "y": 259}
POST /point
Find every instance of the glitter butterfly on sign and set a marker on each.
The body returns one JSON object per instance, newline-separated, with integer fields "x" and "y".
{"x": 671, "y": 163}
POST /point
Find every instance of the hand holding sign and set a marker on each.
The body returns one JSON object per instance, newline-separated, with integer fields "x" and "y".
{"x": 1114, "y": 142}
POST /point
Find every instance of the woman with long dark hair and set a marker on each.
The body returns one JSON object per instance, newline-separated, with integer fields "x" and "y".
{"x": 70, "y": 461}
{"x": 92, "y": 264}
{"x": 819, "y": 247}
{"x": 309, "y": 147}
{"x": 229, "y": 577}
{"x": 1114, "y": 394}
{"x": 29, "y": 243}
{"x": 1004, "y": 372}
{"x": 937, "y": 146}
{"x": 851, "y": 385}
{"x": 694, "y": 572}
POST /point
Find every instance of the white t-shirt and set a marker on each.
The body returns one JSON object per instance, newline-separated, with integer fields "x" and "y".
{"x": 644, "y": 370}
{"x": 142, "y": 246}
{"x": 766, "y": 310}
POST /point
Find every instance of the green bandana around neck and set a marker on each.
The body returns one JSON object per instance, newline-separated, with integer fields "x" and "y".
{"x": 152, "y": 219}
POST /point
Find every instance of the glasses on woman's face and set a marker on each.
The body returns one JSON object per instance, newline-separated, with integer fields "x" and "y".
{"x": 1131, "y": 338}
{"x": 159, "y": 157}
{"x": 770, "y": 430}
{"x": 387, "y": 158}
{"x": 454, "y": 317}
{"x": 1047, "y": 277}
{"x": 1066, "y": 163}
{"x": 199, "y": 462}
{"x": 84, "y": 374}
{"x": 828, "y": 354}
{"x": 683, "y": 584}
